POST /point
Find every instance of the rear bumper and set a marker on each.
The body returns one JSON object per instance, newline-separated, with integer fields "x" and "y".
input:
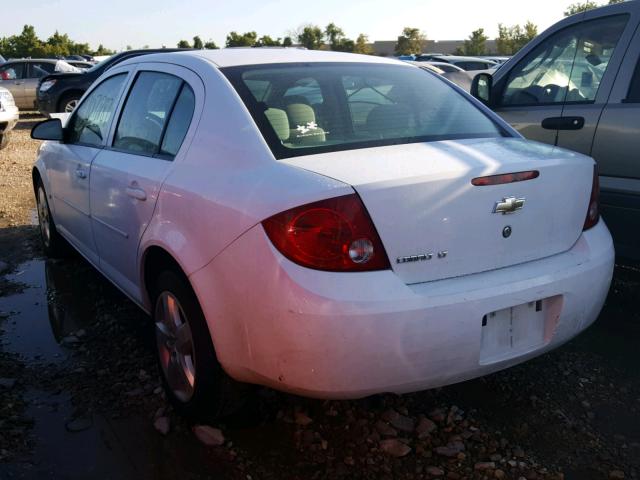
{"x": 8, "y": 119}
{"x": 336, "y": 335}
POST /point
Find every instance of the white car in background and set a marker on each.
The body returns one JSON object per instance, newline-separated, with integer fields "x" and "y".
{"x": 322, "y": 223}
{"x": 8, "y": 116}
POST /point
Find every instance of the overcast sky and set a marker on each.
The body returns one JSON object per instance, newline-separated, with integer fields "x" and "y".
{"x": 117, "y": 23}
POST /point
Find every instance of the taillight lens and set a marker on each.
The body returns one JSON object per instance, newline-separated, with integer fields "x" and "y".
{"x": 335, "y": 235}
{"x": 593, "y": 213}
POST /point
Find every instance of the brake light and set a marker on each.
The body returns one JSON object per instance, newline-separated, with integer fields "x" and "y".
{"x": 593, "y": 213}
{"x": 335, "y": 235}
{"x": 505, "y": 178}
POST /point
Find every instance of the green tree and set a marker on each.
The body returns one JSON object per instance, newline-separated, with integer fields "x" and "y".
{"x": 287, "y": 42}
{"x": 247, "y": 39}
{"x": 476, "y": 44}
{"x": 210, "y": 45}
{"x": 410, "y": 42}
{"x": 362, "y": 45}
{"x": 337, "y": 40}
{"x": 311, "y": 37}
{"x": 511, "y": 39}
{"x": 103, "y": 51}
{"x": 184, "y": 44}
{"x": 580, "y": 7}
{"x": 267, "y": 41}
{"x": 27, "y": 44}
{"x": 197, "y": 43}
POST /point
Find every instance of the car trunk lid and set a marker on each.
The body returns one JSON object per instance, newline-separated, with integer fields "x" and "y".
{"x": 435, "y": 224}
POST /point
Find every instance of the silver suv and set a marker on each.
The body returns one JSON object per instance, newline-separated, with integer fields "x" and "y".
{"x": 577, "y": 85}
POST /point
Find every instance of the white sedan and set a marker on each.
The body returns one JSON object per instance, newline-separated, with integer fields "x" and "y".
{"x": 327, "y": 224}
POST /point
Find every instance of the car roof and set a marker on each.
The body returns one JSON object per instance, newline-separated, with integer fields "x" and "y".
{"x": 39, "y": 60}
{"x": 458, "y": 58}
{"x": 231, "y": 57}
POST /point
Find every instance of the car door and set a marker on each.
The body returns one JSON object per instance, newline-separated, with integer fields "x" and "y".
{"x": 601, "y": 46}
{"x": 35, "y": 72}
{"x": 536, "y": 88}
{"x": 615, "y": 148}
{"x": 126, "y": 177}
{"x": 69, "y": 164}
{"x": 12, "y": 78}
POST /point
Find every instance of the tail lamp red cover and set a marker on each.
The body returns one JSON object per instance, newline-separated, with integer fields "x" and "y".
{"x": 335, "y": 235}
{"x": 593, "y": 212}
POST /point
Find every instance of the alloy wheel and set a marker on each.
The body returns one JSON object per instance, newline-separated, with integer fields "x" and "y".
{"x": 70, "y": 106}
{"x": 43, "y": 217}
{"x": 175, "y": 346}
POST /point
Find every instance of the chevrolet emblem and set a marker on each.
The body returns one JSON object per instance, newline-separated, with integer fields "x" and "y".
{"x": 508, "y": 205}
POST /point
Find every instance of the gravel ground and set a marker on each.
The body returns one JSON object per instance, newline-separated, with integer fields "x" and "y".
{"x": 77, "y": 374}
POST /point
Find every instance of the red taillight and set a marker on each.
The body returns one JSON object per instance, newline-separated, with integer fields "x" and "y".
{"x": 593, "y": 213}
{"x": 505, "y": 178}
{"x": 335, "y": 235}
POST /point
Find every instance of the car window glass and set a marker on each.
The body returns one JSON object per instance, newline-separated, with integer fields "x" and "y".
{"x": 12, "y": 71}
{"x": 90, "y": 123}
{"x": 568, "y": 66}
{"x": 179, "y": 122}
{"x": 327, "y": 107}
{"x": 634, "y": 89}
{"x": 41, "y": 69}
{"x": 146, "y": 111}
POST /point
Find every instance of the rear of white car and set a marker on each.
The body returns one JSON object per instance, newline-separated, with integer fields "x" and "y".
{"x": 329, "y": 224}
{"x": 461, "y": 256}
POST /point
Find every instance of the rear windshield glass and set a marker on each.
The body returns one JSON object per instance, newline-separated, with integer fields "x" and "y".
{"x": 303, "y": 109}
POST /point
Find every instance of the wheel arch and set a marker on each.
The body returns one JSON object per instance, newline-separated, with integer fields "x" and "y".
{"x": 155, "y": 259}
{"x": 67, "y": 93}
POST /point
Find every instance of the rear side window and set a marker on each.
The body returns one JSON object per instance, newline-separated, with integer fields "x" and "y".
{"x": 41, "y": 69}
{"x": 634, "y": 89}
{"x": 179, "y": 122}
{"x": 146, "y": 113}
{"x": 89, "y": 125}
{"x": 302, "y": 109}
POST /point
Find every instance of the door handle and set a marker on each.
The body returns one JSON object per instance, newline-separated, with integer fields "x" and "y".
{"x": 137, "y": 193}
{"x": 563, "y": 123}
{"x": 81, "y": 174}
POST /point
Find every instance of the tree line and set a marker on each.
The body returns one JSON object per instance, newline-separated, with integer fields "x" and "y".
{"x": 311, "y": 37}
{"x": 27, "y": 44}
{"x": 510, "y": 39}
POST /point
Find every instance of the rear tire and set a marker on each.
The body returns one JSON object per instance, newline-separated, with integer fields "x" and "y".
{"x": 53, "y": 244}
{"x": 193, "y": 378}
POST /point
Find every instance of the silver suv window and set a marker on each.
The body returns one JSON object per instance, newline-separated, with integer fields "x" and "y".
{"x": 323, "y": 107}
{"x": 568, "y": 66}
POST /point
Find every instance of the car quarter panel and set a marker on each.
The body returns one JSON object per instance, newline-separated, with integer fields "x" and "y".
{"x": 228, "y": 181}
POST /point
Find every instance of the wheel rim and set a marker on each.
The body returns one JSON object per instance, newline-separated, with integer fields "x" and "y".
{"x": 175, "y": 346}
{"x": 43, "y": 217}
{"x": 70, "y": 106}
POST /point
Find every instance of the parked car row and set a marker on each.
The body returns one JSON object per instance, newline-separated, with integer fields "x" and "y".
{"x": 21, "y": 78}
{"x": 577, "y": 85}
{"x": 324, "y": 223}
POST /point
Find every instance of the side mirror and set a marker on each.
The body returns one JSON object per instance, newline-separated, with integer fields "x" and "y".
{"x": 481, "y": 87}
{"x": 48, "y": 130}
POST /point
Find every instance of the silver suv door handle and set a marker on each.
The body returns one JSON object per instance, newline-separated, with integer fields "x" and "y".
{"x": 137, "y": 193}
{"x": 81, "y": 174}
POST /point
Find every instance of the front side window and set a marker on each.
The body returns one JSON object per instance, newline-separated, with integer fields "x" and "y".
{"x": 322, "y": 107}
{"x": 13, "y": 71}
{"x": 568, "y": 66}
{"x": 90, "y": 123}
{"x": 146, "y": 112}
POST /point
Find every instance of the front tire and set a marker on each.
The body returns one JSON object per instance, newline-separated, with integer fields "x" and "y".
{"x": 69, "y": 103}
{"x": 53, "y": 244}
{"x": 192, "y": 376}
